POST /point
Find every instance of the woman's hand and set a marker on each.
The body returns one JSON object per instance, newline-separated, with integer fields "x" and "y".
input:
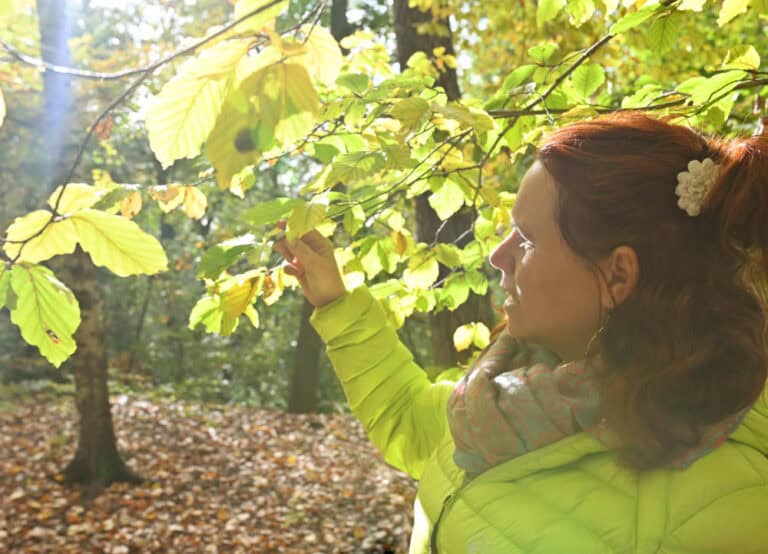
{"x": 310, "y": 259}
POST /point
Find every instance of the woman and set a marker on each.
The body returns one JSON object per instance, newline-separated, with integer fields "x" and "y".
{"x": 623, "y": 409}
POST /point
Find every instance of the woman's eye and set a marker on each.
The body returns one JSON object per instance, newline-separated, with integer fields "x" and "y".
{"x": 526, "y": 245}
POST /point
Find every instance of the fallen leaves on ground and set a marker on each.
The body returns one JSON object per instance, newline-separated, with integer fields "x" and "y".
{"x": 218, "y": 479}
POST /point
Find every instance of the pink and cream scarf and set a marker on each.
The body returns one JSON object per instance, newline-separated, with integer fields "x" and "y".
{"x": 517, "y": 398}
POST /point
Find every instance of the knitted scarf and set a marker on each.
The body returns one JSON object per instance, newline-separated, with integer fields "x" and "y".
{"x": 518, "y": 397}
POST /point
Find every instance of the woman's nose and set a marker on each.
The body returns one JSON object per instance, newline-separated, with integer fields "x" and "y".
{"x": 503, "y": 256}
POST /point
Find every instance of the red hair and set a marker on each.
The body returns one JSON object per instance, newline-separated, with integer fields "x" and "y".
{"x": 688, "y": 347}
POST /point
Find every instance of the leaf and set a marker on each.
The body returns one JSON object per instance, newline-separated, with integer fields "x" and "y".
{"x": 355, "y": 82}
{"x": 76, "y": 196}
{"x": 448, "y": 254}
{"x": 131, "y": 205}
{"x": 411, "y": 111}
{"x": 462, "y": 337}
{"x": 219, "y": 257}
{"x": 181, "y": 117}
{"x": 323, "y": 59}
{"x": 268, "y": 213}
{"x": 258, "y": 21}
{"x": 168, "y": 197}
{"x": 731, "y": 9}
{"x": 422, "y": 272}
{"x": 207, "y": 311}
{"x": 118, "y": 244}
{"x": 580, "y": 11}
{"x": 544, "y": 52}
{"x": 356, "y": 166}
{"x": 239, "y": 291}
{"x": 46, "y": 311}
{"x": 518, "y": 76}
{"x": 304, "y": 218}
{"x": 587, "y": 78}
{"x": 59, "y": 237}
{"x": 224, "y": 147}
{"x": 2, "y": 108}
{"x": 547, "y": 10}
{"x": 632, "y": 20}
{"x": 705, "y": 89}
{"x": 664, "y": 33}
{"x": 5, "y": 283}
{"x": 742, "y": 57}
{"x": 195, "y": 202}
{"x": 447, "y": 200}
{"x": 481, "y": 336}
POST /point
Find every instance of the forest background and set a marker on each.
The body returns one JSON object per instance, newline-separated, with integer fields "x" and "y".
{"x": 148, "y": 148}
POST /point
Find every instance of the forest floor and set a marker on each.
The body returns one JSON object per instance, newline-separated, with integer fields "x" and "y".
{"x": 218, "y": 479}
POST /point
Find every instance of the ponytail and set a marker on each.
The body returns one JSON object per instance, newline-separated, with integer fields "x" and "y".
{"x": 739, "y": 200}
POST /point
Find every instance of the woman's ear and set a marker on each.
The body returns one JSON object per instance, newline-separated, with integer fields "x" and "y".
{"x": 621, "y": 270}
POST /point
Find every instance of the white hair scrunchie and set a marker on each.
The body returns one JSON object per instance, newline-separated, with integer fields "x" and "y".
{"x": 694, "y": 184}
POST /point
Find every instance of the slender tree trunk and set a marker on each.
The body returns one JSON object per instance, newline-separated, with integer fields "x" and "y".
{"x": 477, "y": 308}
{"x": 96, "y": 462}
{"x": 303, "y": 397}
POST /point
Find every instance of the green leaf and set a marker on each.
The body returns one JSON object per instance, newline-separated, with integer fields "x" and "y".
{"x": 219, "y": 257}
{"x": 268, "y": 213}
{"x": 207, "y": 311}
{"x": 477, "y": 282}
{"x": 46, "y": 311}
{"x": 632, "y": 20}
{"x": 386, "y": 288}
{"x": 547, "y": 10}
{"x": 182, "y": 116}
{"x": 454, "y": 293}
{"x": 353, "y": 219}
{"x": 587, "y": 78}
{"x": 462, "y": 337}
{"x": 118, "y": 244}
{"x": 580, "y": 11}
{"x": 447, "y": 200}
{"x": 731, "y": 9}
{"x": 544, "y": 52}
{"x": 355, "y": 82}
{"x": 742, "y": 57}
{"x": 258, "y": 21}
{"x": 448, "y": 254}
{"x": 760, "y": 6}
{"x": 422, "y": 272}
{"x": 664, "y": 33}
{"x": 518, "y": 76}
{"x": 411, "y": 111}
{"x": 705, "y": 89}
{"x": 2, "y": 108}
{"x": 77, "y": 196}
{"x": 5, "y": 282}
{"x": 356, "y": 166}
{"x": 58, "y": 238}
{"x": 304, "y": 218}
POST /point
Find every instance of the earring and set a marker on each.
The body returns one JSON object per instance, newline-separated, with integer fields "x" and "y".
{"x": 598, "y": 334}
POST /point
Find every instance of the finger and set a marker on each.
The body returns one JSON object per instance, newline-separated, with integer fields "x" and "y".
{"x": 283, "y": 249}
{"x": 303, "y": 253}
{"x": 293, "y": 270}
{"x": 317, "y": 242}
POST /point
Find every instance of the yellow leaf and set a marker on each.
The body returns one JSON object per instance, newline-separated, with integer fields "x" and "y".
{"x": 462, "y": 337}
{"x": 168, "y": 197}
{"x": 226, "y": 147}
{"x": 59, "y": 237}
{"x": 238, "y": 292}
{"x": 118, "y": 244}
{"x": 731, "y": 9}
{"x": 76, "y": 196}
{"x": 260, "y": 20}
{"x": 195, "y": 202}
{"x": 181, "y": 117}
{"x": 323, "y": 58}
{"x": 131, "y": 205}
{"x": 422, "y": 272}
{"x": 274, "y": 286}
{"x": 304, "y": 218}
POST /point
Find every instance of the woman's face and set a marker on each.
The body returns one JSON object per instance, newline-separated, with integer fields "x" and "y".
{"x": 553, "y": 296}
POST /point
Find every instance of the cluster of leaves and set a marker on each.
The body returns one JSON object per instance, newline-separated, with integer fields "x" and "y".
{"x": 375, "y": 139}
{"x": 234, "y": 480}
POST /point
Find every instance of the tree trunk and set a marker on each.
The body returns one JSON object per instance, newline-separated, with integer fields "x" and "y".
{"x": 97, "y": 462}
{"x": 476, "y": 308}
{"x": 303, "y": 397}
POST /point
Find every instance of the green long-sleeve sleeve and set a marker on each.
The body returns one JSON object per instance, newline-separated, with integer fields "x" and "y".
{"x": 402, "y": 411}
